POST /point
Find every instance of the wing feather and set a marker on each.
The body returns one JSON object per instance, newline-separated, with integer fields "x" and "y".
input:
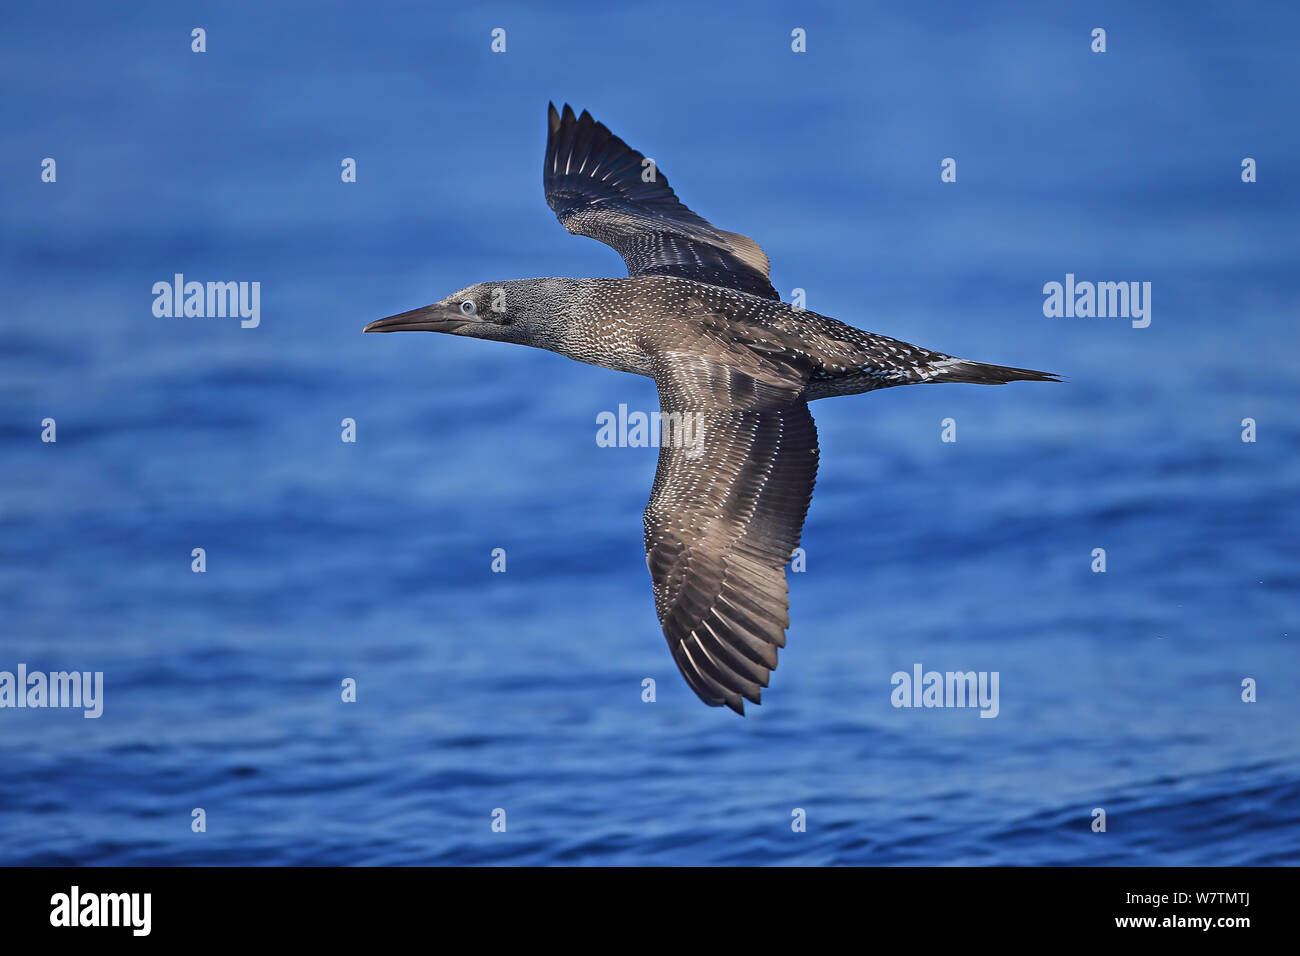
{"x": 595, "y": 184}
{"x": 724, "y": 517}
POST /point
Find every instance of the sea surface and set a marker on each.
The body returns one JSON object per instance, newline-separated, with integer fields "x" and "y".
{"x": 482, "y": 695}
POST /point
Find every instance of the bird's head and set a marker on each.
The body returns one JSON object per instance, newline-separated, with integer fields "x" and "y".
{"x": 484, "y": 310}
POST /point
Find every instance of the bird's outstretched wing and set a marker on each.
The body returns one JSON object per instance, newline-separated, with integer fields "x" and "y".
{"x": 725, "y": 515}
{"x": 602, "y": 188}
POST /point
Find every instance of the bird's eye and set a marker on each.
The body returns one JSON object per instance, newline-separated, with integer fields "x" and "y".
{"x": 468, "y": 308}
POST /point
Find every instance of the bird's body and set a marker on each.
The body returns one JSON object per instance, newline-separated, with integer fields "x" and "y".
{"x": 623, "y": 324}
{"x": 699, "y": 316}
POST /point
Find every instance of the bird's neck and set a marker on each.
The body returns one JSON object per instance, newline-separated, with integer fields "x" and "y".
{"x": 588, "y": 321}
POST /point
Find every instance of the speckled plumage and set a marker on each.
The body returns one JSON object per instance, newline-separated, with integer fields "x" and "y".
{"x": 699, "y": 315}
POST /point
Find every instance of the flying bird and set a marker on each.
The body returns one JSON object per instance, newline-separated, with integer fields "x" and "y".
{"x": 735, "y": 369}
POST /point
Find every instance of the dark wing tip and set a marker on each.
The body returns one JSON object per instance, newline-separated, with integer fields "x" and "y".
{"x": 568, "y": 117}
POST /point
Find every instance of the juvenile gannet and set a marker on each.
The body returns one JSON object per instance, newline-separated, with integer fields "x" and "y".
{"x": 698, "y": 314}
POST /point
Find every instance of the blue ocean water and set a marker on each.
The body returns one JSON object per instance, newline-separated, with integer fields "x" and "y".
{"x": 522, "y": 691}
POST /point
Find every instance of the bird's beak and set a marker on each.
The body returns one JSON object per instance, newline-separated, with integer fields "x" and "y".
{"x": 431, "y": 318}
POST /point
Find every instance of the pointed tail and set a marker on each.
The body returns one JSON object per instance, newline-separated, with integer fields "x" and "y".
{"x": 980, "y": 373}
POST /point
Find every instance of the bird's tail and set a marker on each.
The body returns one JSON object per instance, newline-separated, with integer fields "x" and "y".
{"x": 981, "y": 373}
